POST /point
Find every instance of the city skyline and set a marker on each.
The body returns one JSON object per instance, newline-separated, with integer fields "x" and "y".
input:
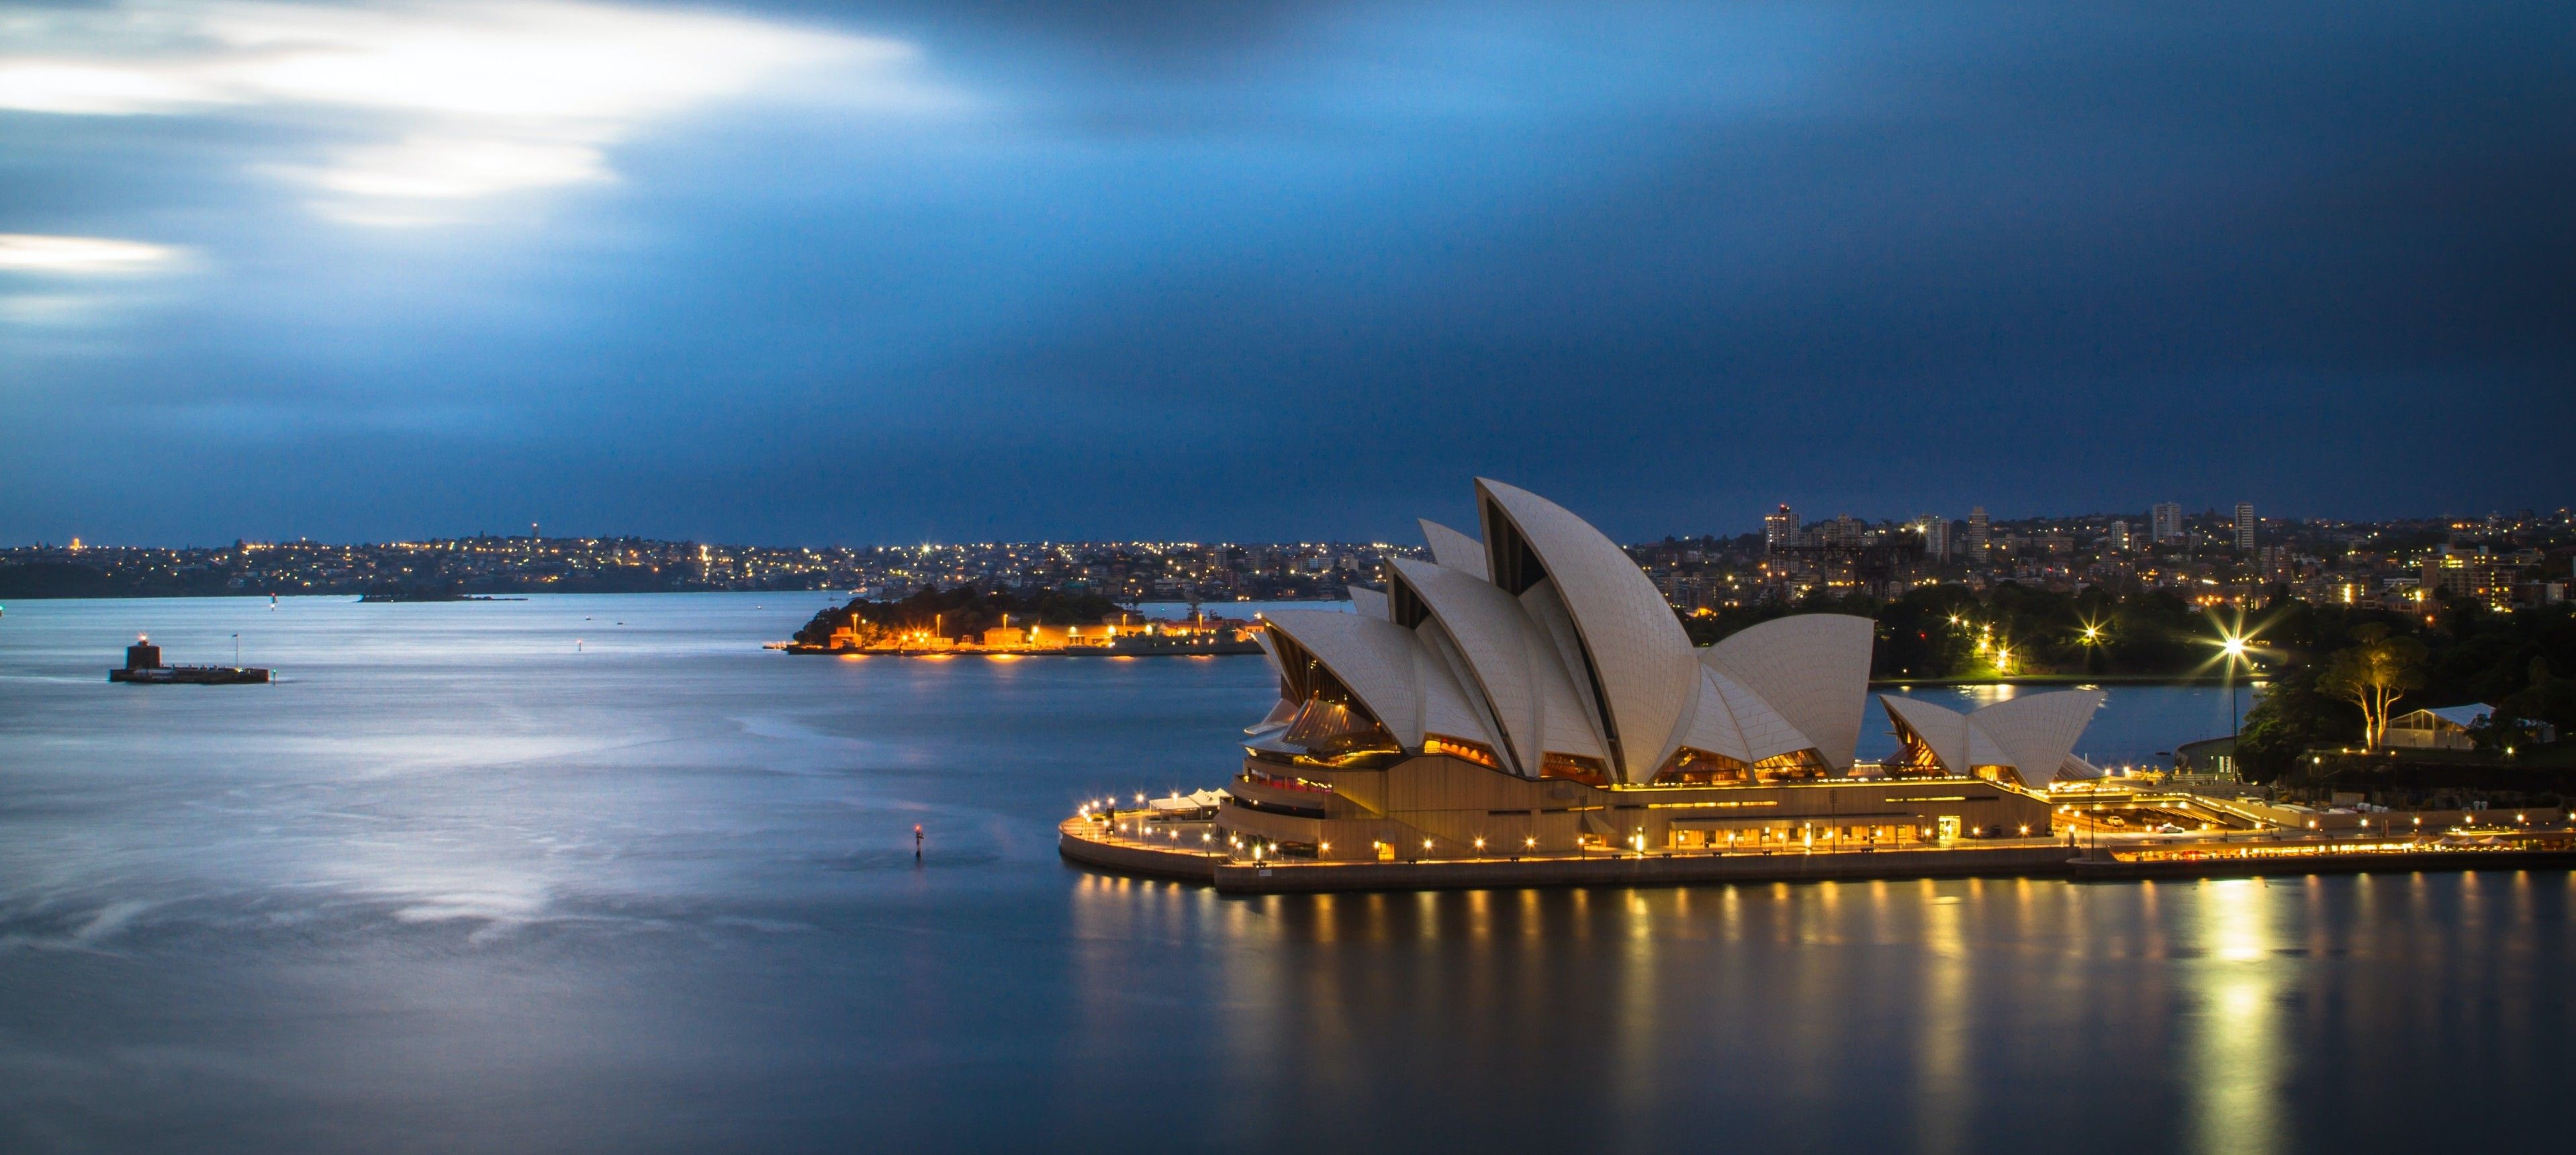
{"x": 1759, "y": 523}
{"x": 1019, "y": 272}
{"x": 2233, "y": 559}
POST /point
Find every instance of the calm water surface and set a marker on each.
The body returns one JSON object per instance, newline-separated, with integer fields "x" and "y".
{"x": 455, "y": 883}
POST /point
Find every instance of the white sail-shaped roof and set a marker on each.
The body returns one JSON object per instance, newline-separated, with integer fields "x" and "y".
{"x": 1713, "y": 726}
{"x": 2038, "y": 731}
{"x": 1767, "y": 734}
{"x": 1509, "y": 660}
{"x": 2034, "y": 734}
{"x": 1407, "y": 687}
{"x": 1454, "y": 549}
{"x": 1944, "y": 731}
{"x": 1812, "y": 668}
{"x": 1638, "y": 654}
{"x": 1488, "y": 729}
{"x": 1377, "y": 660}
{"x": 1368, "y": 602}
{"x": 1445, "y": 709}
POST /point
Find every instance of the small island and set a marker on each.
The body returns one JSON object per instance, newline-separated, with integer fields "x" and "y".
{"x": 971, "y": 620}
{"x": 143, "y": 667}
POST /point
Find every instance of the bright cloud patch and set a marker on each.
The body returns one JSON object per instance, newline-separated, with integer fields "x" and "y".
{"x": 76, "y": 256}
{"x": 464, "y": 99}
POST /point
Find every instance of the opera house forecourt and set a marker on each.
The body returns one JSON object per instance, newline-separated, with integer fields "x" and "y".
{"x": 1526, "y": 700}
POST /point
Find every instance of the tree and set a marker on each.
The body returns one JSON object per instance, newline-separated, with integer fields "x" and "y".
{"x": 2373, "y": 673}
{"x": 2292, "y": 714}
{"x": 2548, "y": 699}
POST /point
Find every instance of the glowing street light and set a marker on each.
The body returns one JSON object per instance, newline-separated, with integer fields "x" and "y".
{"x": 2235, "y": 648}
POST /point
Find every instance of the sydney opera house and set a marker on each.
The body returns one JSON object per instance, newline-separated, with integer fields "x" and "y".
{"x": 1528, "y": 691}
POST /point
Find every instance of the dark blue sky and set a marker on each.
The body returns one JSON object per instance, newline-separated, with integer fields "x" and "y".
{"x": 962, "y": 271}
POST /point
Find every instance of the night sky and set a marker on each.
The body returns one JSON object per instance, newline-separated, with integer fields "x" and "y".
{"x": 970, "y": 271}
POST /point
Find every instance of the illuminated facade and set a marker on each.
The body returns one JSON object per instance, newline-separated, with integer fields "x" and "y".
{"x": 1528, "y": 690}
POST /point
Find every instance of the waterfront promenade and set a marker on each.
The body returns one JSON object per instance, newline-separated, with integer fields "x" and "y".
{"x": 1097, "y": 840}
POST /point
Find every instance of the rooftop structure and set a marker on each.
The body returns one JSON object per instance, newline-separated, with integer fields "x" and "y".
{"x": 2451, "y": 728}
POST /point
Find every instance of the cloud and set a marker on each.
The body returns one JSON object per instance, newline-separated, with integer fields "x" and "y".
{"x": 447, "y": 102}
{"x": 98, "y": 261}
{"x": 81, "y": 256}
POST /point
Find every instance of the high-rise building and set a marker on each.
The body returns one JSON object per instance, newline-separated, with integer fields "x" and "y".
{"x": 2465, "y": 573}
{"x": 2164, "y": 522}
{"x": 2245, "y": 528}
{"x": 1936, "y": 536}
{"x": 1979, "y": 541}
{"x": 2120, "y": 537}
{"x": 1780, "y": 529}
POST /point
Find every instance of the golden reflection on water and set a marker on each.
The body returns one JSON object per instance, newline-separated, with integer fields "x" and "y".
{"x": 2237, "y": 1053}
{"x": 1944, "y": 1092}
{"x": 1641, "y": 1014}
{"x": 1936, "y": 1002}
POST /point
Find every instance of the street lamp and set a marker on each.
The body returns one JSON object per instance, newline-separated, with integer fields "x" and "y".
{"x": 2234, "y": 648}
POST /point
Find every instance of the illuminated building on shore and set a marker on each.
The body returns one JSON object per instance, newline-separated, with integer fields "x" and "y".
{"x": 1530, "y": 690}
{"x": 1780, "y": 528}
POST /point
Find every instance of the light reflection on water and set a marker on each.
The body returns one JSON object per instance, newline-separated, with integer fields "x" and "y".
{"x": 2237, "y": 1052}
{"x": 455, "y": 884}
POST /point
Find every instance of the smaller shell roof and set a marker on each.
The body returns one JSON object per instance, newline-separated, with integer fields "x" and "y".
{"x": 1812, "y": 668}
{"x": 2039, "y": 729}
{"x": 1944, "y": 730}
{"x": 1454, "y": 549}
{"x": 2034, "y": 734}
{"x": 1375, "y": 659}
{"x": 1734, "y": 721}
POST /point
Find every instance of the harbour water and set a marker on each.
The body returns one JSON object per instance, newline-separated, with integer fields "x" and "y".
{"x": 600, "y": 873}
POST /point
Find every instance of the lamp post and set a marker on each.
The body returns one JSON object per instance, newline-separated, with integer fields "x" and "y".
{"x": 2235, "y": 712}
{"x": 2232, "y": 647}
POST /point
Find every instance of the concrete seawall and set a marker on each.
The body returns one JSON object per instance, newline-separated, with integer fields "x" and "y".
{"x": 1078, "y": 841}
{"x": 1081, "y": 841}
